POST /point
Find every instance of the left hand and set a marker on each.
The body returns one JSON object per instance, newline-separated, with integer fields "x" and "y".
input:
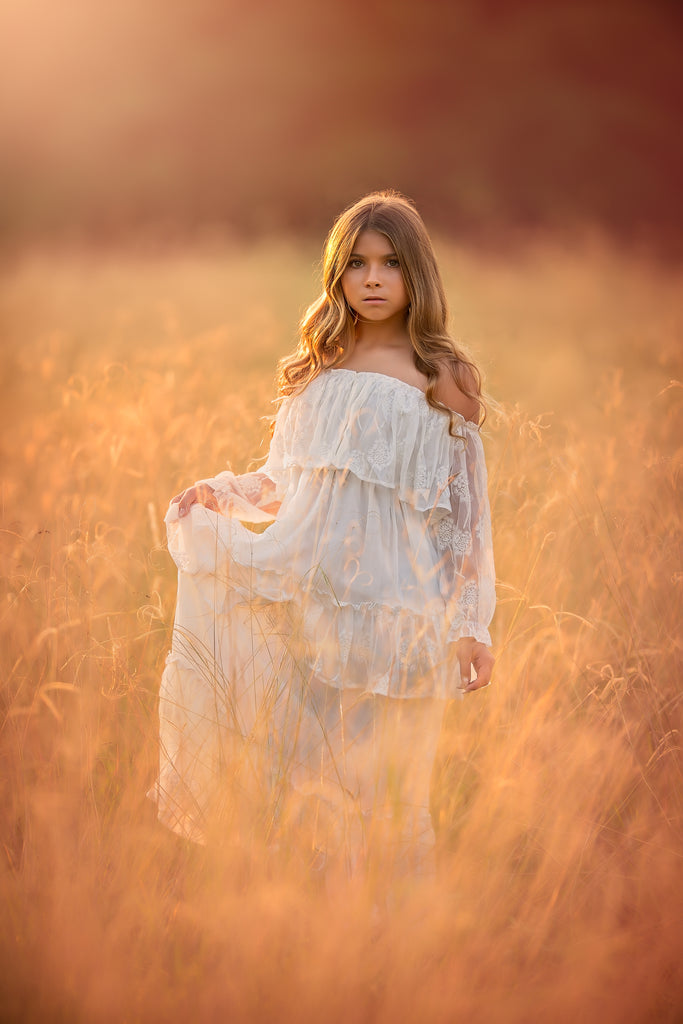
{"x": 472, "y": 652}
{"x": 198, "y": 494}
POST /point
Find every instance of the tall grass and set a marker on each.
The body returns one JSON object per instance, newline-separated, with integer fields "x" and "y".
{"x": 558, "y": 791}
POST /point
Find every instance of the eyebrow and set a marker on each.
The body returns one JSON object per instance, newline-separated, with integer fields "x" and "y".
{"x": 385, "y": 256}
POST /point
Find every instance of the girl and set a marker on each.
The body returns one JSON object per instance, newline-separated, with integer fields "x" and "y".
{"x": 313, "y": 656}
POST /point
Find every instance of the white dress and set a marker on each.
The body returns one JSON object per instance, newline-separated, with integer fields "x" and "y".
{"x": 294, "y": 632}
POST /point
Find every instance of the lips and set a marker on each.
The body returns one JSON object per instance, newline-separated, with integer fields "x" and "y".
{"x": 374, "y": 298}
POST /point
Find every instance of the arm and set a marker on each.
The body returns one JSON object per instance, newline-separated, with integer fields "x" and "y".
{"x": 466, "y": 536}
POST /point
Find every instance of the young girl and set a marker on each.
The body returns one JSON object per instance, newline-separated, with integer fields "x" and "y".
{"x": 313, "y": 656}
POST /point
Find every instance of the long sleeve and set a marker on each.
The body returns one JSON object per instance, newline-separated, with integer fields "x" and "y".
{"x": 465, "y": 538}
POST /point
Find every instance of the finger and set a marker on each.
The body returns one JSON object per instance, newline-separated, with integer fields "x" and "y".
{"x": 483, "y": 676}
{"x": 482, "y": 659}
{"x": 476, "y": 685}
{"x": 206, "y": 496}
{"x": 198, "y": 495}
{"x": 187, "y": 499}
{"x": 483, "y": 667}
{"x": 465, "y": 671}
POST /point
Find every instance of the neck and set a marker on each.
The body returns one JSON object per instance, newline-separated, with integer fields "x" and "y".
{"x": 391, "y": 333}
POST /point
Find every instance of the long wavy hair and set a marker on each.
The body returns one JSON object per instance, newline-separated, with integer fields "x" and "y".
{"x": 328, "y": 327}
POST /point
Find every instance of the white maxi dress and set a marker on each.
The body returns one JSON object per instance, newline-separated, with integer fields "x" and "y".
{"x": 313, "y": 650}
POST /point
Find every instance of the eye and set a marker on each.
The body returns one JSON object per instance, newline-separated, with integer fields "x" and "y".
{"x": 393, "y": 262}
{"x": 355, "y": 263}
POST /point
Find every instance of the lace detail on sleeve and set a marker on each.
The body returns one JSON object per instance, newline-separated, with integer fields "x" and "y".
{"x": 464, "y": 536}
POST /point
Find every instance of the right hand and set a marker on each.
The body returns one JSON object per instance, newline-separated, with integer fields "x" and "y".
{"x": 202, "y": 494}
{"x": 472, "y": 653}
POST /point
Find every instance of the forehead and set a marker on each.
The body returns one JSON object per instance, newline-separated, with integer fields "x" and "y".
{"x": 371, "y": 242}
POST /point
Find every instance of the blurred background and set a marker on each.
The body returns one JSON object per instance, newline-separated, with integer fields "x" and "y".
{"x": 168, "y": 171}
{"x": 496, "y": 116}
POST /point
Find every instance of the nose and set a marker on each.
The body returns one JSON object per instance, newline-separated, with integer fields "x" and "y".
{"x": 372, "y": 277}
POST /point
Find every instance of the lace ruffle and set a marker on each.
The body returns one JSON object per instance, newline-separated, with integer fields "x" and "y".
{"x": 378, "y": 428}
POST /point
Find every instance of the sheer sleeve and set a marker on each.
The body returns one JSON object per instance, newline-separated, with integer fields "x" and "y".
{"x": 250, "y": 497}
{"x": 464, "y": 536}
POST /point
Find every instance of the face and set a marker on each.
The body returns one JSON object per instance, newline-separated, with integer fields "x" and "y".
{"x": 373, "y": 282}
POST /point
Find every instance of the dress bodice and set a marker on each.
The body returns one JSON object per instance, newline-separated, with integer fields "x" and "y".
{"x": 379, "y": 428}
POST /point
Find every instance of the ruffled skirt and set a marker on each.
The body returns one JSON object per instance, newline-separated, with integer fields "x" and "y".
{"x": 309, "y": 659}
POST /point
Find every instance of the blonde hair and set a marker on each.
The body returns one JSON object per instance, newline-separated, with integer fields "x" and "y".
{"x": 328, "y": 325}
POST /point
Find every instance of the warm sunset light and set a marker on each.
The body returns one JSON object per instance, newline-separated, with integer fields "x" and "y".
{"x": 261, "y": 117}
{"x": 169, "y": 177}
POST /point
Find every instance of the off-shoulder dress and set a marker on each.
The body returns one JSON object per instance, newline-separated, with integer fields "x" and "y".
{"x": 310, "y": 642}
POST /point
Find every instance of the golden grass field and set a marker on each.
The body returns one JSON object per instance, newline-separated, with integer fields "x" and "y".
{"x": 126, "y": 375}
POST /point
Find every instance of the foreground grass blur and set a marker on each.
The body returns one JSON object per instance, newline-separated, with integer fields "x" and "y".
{"x": 559, "y": 791}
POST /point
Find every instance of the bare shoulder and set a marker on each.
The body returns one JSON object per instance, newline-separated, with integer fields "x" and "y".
{"x": 448, "y": 392}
